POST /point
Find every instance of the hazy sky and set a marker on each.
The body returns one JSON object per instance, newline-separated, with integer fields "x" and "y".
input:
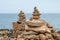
{"x": 44, "y": 6}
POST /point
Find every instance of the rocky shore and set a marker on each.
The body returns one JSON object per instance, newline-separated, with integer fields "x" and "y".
{"x": 32, "y": 29}
{"x": 8, "y": 36}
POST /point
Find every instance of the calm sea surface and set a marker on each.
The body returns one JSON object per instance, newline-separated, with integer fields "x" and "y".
{"x": 7, "y": 19}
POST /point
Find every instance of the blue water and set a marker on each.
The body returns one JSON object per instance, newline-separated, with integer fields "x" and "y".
{"x": 7, "y": 19}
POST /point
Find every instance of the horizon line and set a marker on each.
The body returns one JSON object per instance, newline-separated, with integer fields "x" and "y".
{"x": 29, "y": 13}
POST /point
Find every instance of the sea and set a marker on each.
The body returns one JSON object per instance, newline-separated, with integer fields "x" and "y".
{"x": 7, "y": 19}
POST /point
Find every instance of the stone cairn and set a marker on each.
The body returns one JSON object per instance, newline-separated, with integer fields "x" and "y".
{"x": 34, "y": 29}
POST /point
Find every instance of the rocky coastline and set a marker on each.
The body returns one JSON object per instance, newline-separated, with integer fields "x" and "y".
{"x": 32, "y": 29}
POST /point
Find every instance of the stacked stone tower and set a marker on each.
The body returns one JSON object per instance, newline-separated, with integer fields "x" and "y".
{"x": 21, "y": 16}
{"x": 36, "y": 14}
{"x": 34, "y": 29}
{"x": 18, "y": 26}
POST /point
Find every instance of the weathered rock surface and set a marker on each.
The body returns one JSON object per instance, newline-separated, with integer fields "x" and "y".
{"x": 34, "y": 29}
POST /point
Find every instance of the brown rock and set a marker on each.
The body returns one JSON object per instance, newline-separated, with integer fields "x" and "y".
{"x": 33, "y": 29}
{"x": 42, "y": 37}
{"x": 49, "y": 36}
{"x": 56, "y": 36}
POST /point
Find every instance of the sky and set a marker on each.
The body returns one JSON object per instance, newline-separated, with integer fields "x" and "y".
{"x": 44, "y": 6}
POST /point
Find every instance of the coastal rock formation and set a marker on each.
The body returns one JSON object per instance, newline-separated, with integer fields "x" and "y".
{"x": 34, "y": 29}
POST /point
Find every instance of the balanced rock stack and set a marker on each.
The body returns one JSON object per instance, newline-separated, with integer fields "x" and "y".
{"x": 21, "y": 16}
{"x": 34, "y": 29}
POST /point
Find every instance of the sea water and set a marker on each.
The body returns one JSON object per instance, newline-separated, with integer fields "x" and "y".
{"x": 7, "y": 19}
